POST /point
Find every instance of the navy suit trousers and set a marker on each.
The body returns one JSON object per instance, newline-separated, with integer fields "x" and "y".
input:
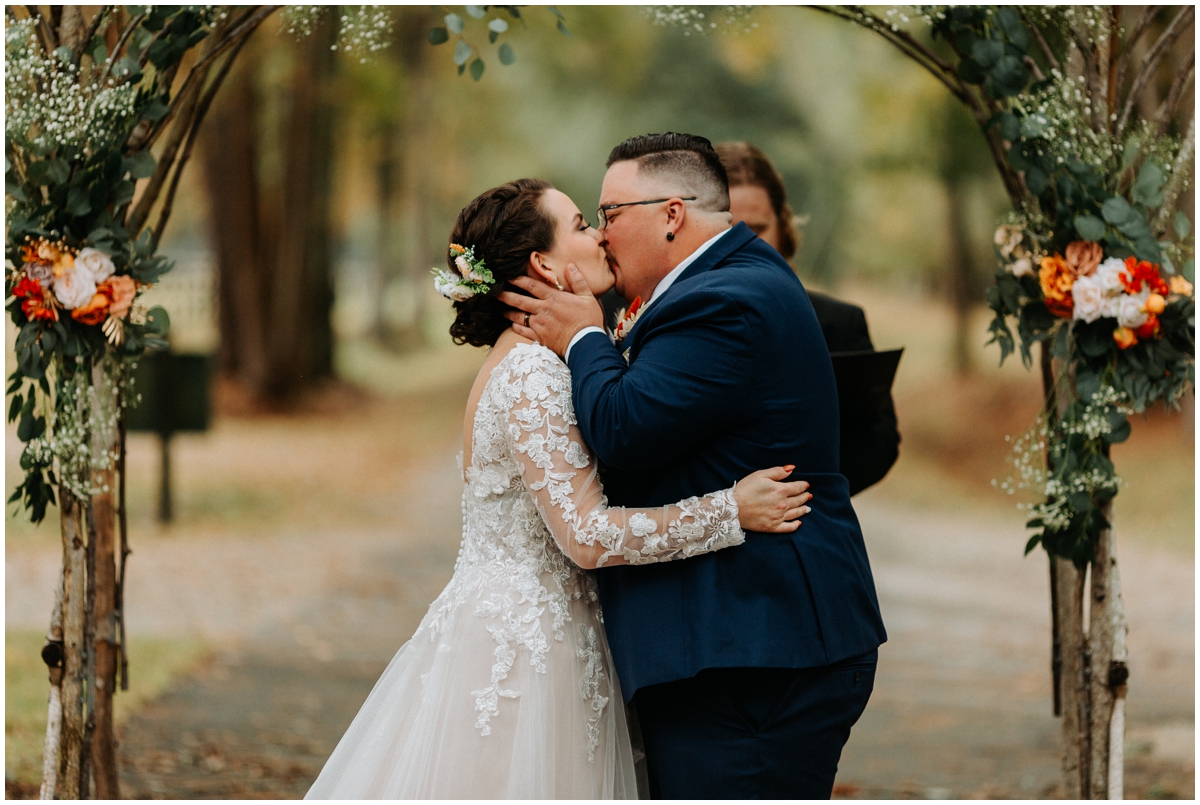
{"x": 752, "y": 733}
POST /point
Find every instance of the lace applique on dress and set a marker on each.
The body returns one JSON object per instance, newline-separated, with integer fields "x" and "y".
{"x": 531, "y": 496}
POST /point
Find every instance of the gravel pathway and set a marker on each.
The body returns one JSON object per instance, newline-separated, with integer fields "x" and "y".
{"x": 303, "y": 623}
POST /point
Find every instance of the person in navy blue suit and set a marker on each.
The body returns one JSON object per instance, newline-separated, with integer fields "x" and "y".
{"x": 747, "y": 668}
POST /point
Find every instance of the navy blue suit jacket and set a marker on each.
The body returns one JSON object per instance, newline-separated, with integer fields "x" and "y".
{"x": 727, "y": 373}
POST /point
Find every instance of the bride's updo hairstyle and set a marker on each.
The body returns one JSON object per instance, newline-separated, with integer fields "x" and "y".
{"x": 504, "y": 225}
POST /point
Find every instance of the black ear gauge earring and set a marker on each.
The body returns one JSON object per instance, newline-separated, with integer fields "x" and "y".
{"x": 670, "y": 236}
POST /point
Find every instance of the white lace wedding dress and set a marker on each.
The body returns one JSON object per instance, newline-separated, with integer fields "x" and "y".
{"x": 506, "y": 690}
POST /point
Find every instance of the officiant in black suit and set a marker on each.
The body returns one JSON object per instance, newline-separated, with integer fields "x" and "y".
{"x": 870, "y": 440}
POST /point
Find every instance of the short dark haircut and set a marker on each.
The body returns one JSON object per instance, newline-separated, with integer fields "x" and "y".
{"x": 504, "y": 225}
{"x": 747, "y": 165}
{"x": 688, "y": 159}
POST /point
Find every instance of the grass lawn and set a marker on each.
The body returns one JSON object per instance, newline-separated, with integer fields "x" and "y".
{"x": 153, "y": 665}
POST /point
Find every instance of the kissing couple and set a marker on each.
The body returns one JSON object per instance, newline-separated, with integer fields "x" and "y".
{"x": 644, "y": 598}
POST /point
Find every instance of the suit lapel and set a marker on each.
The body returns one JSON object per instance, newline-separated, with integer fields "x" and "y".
{"x": 730, "y": 242}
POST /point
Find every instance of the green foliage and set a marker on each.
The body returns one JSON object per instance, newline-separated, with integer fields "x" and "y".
{"x": 76, "y": 191}
{"x": 1072, "y": 182}
{"x": 468, "y": 57}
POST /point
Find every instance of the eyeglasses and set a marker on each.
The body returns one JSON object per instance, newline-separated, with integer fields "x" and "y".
{"x": 602, "y": 212}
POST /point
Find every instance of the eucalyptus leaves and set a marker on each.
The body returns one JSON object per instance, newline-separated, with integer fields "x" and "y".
{"x": 468, "y": 56}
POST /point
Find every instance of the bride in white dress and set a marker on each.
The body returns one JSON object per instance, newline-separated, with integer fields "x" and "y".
{"x": 506, "y": 690}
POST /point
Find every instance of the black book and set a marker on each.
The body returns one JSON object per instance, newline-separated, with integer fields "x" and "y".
{"x": 864, "y": 380}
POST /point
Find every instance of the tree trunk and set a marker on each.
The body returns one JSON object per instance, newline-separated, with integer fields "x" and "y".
{"x": 272, "y": 239}
{"x": 1088, "y": 655}
{"x": 52, "y": 654}
{"x": 418, "y": 139}
{"x": 1107, "y": 630}
{"x": 300, "y": 340}
{"x": 1073, "y": 682}
{"x": 71, "y": 784}
{"x": 385, "y": 180}
{"x": 962, "y": 270}
{"x": 103, "y": 748}
{"x": 230, "y": 165}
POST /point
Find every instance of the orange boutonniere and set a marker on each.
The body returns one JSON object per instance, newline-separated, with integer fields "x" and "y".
{"x": 627, "y": 319}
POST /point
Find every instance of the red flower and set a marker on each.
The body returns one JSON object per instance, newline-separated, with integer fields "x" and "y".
{"x": 626, "y": 320}
{"x": 35, "y": 305}
{"x": 27, "y": 287}
{"x": 1150, "y": 329}
{"x": 1140, "y": 271}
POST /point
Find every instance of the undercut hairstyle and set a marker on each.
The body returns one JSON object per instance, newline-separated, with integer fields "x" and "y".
{"x": 686, "y": 160}
{"x": 504, "y": 225}
{"x": 747, "y": 165}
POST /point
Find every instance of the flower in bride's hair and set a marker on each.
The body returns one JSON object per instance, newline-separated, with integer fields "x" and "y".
{"x": 463, "y": 266}
{"x": 473, "y": 276}
{"x": 451, "y": 287}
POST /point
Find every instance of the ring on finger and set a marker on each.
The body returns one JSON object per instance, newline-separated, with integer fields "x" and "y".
{"x": 526, "y": 319}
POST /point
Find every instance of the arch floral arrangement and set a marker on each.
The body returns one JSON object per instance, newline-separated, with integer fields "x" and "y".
{"x": 1096, "y": 268}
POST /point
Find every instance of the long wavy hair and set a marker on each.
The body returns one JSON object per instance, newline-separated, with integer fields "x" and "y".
{"x": 504, "y": 225}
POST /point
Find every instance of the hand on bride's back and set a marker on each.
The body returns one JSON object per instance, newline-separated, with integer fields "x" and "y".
{"x": 769, "y": 505}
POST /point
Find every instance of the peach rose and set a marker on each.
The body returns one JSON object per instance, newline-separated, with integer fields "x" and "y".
{"x": 121, "y": 290}
{"x": 1180, "y": 285}
{"x": 1155, "y": 304}
{"x": 1124, "y": 337}
{"x": 1056, "y": 279}
{"x": 1083, "y": 256}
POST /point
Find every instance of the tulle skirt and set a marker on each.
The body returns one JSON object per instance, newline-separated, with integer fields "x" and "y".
{"x": 558, "y": 729}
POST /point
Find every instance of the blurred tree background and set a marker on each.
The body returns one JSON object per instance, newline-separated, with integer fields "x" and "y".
{"x": 329, "y": 181}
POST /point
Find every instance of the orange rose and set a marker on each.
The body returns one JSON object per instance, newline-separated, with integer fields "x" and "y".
{"x": 1056, "y": 279}
{"x": 1155, "y": 304}
{"x": 64, "y": 263}
{"x": 121, "y": 290}
{"x": 1083, "y": 256}
{"x": 1124, "y": 337}
{"x": 95, "y": 311}
{"x": 47, "y": 251}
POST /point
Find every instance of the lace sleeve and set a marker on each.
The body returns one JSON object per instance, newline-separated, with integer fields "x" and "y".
{"x": 560, "y": 473}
